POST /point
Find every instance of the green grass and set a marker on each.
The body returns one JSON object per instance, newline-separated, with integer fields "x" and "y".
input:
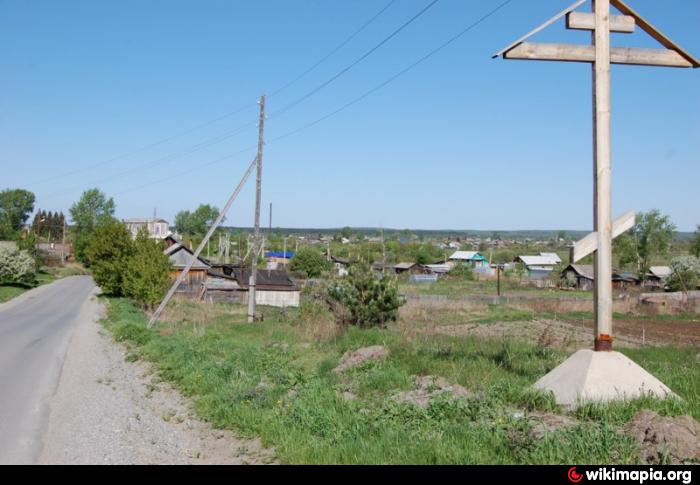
{"x": 241, "y": 378}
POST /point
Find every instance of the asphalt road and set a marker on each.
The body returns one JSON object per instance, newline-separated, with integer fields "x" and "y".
{"x": 35, "y": 329}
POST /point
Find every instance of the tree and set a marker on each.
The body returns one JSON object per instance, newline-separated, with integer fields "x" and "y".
{"x": 147, "y": 272}
{"x": 108, "y": 252}
{"x": 197, "y": 222}
{"x": 92, "y": 211}
{"x": 695, "y": 244}
{"x": 654, "y": 233}
{"x": 15, "y": 207}
{"x": 346, "y": 232}
{"x": 625, "y": 248}
{"x": 462, "y": 271}
{"x": 16, "y": 267}
{"x": 370, "y": 301}
{"x": 310, "y": 262}
{"x": 685, "y": 275}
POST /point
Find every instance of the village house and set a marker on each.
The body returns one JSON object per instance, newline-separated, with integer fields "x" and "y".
{"x": 657, "y": 276}
{"x": 581, "y": 277}
{"x": 470, "y": 258}
{"x": 275, "y": 259}
{"x": 540, "y": 266}
{"x": 230, "y": 283}
{"x": 156, "y": 228}
{"x": 180, "y": 256}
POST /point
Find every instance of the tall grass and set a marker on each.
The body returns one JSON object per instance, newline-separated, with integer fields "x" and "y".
{"x": 274, "y": 380}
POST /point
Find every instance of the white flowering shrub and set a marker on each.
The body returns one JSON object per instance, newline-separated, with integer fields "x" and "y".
{"x": 685, "y": 274}
{"x": 16, "y": 267}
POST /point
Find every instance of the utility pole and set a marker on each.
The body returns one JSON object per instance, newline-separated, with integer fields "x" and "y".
{"x": 256, "y": 241}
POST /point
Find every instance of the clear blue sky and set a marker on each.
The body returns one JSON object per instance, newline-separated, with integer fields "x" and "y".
{"x": 461, "y": 141}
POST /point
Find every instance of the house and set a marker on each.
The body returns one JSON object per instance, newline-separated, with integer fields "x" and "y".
{"x": 276, "y": 258}
{"x": 539, "y": 267}
{"x": 341, "y": 265}
{"x": 436, "y": 269}
{"x": 230, "y": 283}
{"x": 180, "y": 256}
{"x": 401, "y": 268}
{"x": 156, "y": 228}
{"x": 657, "y": 276}
{"x": 471, "y": 258}
{"x": 579, "y": 276}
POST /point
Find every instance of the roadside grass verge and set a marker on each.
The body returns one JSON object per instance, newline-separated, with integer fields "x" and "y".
{"x": 44, "y": 276}
{"x": 274, "y": 380}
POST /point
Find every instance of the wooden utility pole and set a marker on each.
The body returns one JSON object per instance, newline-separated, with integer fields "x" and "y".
{"x": 601, "y": 55}
{"x": 256, "y": 240}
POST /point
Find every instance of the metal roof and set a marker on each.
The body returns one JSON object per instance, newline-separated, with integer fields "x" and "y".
{"x": 539, "y": 260}
{"x": 280, "y": 254}
{"x": 554, "y": 256}
{"x": 660, "y": 271}
{"x": 467, "y": 256}
{"x": 585, "y": 270}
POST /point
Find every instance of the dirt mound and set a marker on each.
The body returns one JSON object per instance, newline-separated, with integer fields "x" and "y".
{"x": 546, "y": 423}
{"x": 361, "y": 356}
{"x": 665, "y": 440}
{"x": 426, "y": 388}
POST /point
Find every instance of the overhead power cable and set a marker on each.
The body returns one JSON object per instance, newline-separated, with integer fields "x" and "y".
{"x": 397, "y": 75}
{"x": 356, "y": 62}
{"x": 212, "y": 121}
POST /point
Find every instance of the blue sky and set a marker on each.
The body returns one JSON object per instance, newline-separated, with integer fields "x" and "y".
{"x": 461, "y": 141}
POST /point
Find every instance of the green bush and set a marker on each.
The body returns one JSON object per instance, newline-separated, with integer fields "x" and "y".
{"x": 16, "y": 267}
{"x": 147, "y": 274}
{"x": 370, "y": 300}
{"x": 462, "y": 271}
{"x": 309, "y": 262}
{"x": 109, "y": 250}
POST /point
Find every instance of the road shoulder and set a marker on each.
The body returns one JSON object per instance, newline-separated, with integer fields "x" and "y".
{"x": 109, "y": 411}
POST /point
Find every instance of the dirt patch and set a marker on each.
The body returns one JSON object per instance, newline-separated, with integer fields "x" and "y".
{"x": 665, "y": 440}
{"x": 361, "y": 356}
{"x": 427, "y": 388}
{"x": 546, "y": 423}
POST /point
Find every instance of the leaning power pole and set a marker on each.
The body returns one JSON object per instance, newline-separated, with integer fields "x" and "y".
{"x": 256, "y": 236}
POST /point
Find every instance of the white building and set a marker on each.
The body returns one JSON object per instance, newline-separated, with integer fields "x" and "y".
{"x": 156, "y": 228}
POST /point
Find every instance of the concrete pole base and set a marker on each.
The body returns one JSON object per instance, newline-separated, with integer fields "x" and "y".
{"x": 589, "y": 376}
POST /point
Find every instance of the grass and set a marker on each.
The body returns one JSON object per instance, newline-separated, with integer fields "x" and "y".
{"x": 274, "y": 380}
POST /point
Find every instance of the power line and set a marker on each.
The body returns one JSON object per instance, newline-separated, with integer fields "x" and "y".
{"x": 397, "y": 75}
{"x": 336, "y": 49}
{"x": 410, "y": 67}
{"x": 356, "y": 62}
{"x": 224, "y": 116}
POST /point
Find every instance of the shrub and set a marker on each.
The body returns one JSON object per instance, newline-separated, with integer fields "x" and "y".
{"x": 146, "y": 278}
{"x": 462, "y": 271}
{"x": 309, "y": 262}
{"x": 16, "y": 267}
{"x": 685, "y": 275}
{"x": 369, "y": 300}
{"x": 109, "y": 249}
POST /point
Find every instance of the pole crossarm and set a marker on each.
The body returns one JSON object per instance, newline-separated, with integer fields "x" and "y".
{"x": 181, "y": 277}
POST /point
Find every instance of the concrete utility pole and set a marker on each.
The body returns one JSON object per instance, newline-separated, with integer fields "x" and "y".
{"x": 256, "y": 237}
{"x": 602, "y": 374}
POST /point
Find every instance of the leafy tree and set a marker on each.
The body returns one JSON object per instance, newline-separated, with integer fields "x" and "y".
{"x": 309, "y": 262}
{"x": 108, "y": 253}
{"x": 625, "y": 248}
{"x": 462, "y": 271}
{"x": 370, "y": 301}
{"x": 93, "y": 211}
{"x": 15, "y": 207}
{"x": 197, "y": 222}
{"x": 346, "y": 232}
{"x": 16, "y": 266}
{"x": 685, "y": 275}
{"x": 695, "y": 244}
{"x": 147, "y": 273}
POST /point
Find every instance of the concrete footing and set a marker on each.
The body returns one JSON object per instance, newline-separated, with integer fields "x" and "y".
{"x": 589, "y": 376}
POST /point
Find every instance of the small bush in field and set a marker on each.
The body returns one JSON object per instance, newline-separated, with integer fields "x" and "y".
{"x": 462, "y": 271}
{"x": 370, "y": 301}
{"x": 16, "y": 267}
{"x": 147, "y": 274}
